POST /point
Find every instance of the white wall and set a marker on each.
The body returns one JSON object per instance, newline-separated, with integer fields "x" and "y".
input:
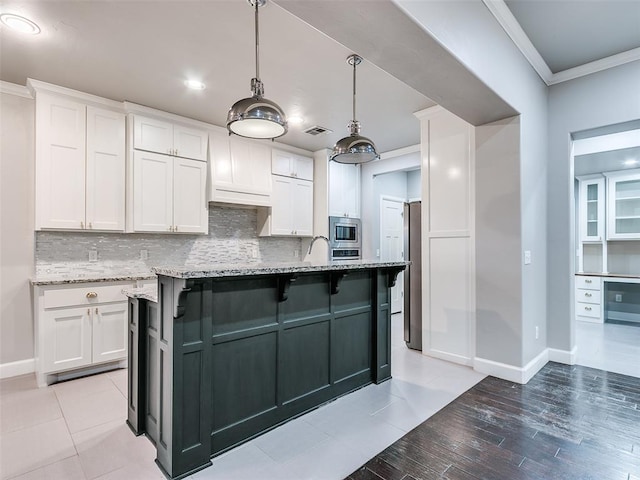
{"x": 413, "y": 185}
{"x": 16, "y": 227}
{"x": 600, "y": 99}
{"x": 469, "y": 31}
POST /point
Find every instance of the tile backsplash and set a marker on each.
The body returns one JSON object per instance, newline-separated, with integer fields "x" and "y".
{"x": 232, "y": 238}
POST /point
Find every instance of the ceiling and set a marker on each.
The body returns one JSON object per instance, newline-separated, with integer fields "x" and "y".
{"x": 142, "y": 51}
{"x": 610, "y": 161}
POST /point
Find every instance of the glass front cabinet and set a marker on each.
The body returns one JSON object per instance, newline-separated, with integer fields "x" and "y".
{"x": 592, "y": 208}
{"x": 623, "y": 215}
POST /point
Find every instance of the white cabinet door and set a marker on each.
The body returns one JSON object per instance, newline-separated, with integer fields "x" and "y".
{"x": 105, "y": 191}
{"x": 251, "y": 163}
{"x": 221, "y": 167}
{"x": 623, "y": 219}
{"x": 152, "y": 192}
{"x": 109, "y": 335}
{"x": 189, "y": 196}
{"x": 60, "y": 163}
{"x": 190, "y": 143}
{"x": 591, "y": 212}
{"x": 302, "y": 201}
{"x": 282, "y": 163}
{"x": 304, "y": 167}
{"x": 344, "y": 190}
{"x": 67, "y": 334}
{"x": 152, "y": 135}
{"x": 282, "y": 210}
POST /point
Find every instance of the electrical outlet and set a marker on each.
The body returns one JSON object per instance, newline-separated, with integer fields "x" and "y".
{"x": 378, "y": 252}
{"x": 93, "y": 255}
{"x": 144, "y": 254}
{"x": 527, "y": 257}
{"x": 618, "y": 297}
{"x": 537, "y": 332}
{"x": 254, "y": 252}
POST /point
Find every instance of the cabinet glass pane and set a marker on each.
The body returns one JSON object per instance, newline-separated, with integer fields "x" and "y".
{"x": 629, "y": 189}
{"x": 592, "y": 192}
{"x": 628, "y": 225}
{"x": 592, "y": 211}
{"x": 628, "y": 207}
{"x": 592, "y": 229}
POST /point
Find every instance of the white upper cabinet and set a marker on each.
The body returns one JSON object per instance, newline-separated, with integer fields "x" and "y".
{"x": 344, "y": 190}
{"x": 170, "y": 139}
{"x": 292, "y": 210}
{"x": 169, "y": 194}
{"x": 240, "y": 170}
{"x": 291, "y": 165}
{"x": 623, "y": 216}
{"x": 591, "y": 208}
{"x": 80, "y": 165}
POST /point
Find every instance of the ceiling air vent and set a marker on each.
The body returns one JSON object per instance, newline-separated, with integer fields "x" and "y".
{"x": 317, "y": 130}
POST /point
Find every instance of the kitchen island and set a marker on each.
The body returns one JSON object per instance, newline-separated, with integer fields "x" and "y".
{"x": 229, "y": 352}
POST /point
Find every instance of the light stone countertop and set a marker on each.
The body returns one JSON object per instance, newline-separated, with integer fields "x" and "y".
{"x": 149, "y": 292}
{"x": 239, "y": 270}
{"x": 93, "y": 277}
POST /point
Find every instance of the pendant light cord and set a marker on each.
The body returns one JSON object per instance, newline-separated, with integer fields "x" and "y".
{"x": 257, "y": 45}
{"x": 354, "y": 89}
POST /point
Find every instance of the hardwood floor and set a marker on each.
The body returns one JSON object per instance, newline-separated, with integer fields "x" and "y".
{"x": 568, "y": 422}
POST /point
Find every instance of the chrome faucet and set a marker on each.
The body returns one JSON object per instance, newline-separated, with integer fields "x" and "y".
{"x": 313, "y": 240}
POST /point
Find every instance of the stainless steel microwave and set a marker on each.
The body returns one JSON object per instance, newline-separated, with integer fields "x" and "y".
{"x": 345, "y": 232}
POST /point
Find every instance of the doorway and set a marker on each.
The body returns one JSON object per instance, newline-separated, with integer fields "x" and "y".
{"x": 391, "y": 243}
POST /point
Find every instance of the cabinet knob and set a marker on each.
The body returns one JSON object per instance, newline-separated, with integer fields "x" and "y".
{"x": 587, "y": 281}
{"x": 587, "y": 294}
{"x": 81, "y": 224}
{"x": 587, "y": 308}
{"x": 175, "y": 229}
{"x": 96, "y": 310}
{"x": 92, "y": 295}
{"x": 90, "y": 225}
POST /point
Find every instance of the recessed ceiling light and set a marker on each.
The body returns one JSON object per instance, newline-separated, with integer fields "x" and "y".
{"x": 631, "y": 162}
{"x": 19, "y": 24}
{"x": 195, "y": 85}
{"x": 295, "y": 120}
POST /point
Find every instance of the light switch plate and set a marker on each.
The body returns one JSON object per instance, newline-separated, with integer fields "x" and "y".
{"x": 93, "y": 255}
{"x": 527, "y": 257}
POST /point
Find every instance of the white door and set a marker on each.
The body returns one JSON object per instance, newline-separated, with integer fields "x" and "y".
{"x": 109, "y": 340}
{"x": 391, "y": 242}
{"x": 68, "y": 338}
{"x": 190, "y": 196}
{"x": 105, "y": 169}
{"x": 152, "y": 135}
{"x": 282, "y": 209}
{"x": 190, "y": 143}
{"x": 302, "y": 201}
{"x": 60, "y": 163}
{"x": 152, "y": 192}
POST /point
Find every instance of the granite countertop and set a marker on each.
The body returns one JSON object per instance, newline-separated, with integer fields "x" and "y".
{"x": 612, "y": 275}
{"x": 238, "y": 270}
{"x": 92, "y": 277}
{"x": 149, "y": 292}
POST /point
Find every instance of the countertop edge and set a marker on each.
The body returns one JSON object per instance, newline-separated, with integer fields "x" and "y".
{"x": 71, "y": 279}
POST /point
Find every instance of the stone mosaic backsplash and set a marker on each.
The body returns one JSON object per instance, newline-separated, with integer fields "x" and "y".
{"x": 232, "y": 238}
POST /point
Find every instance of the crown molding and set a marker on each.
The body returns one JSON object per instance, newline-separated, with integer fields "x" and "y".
{"x": 400, "y": 151}
{"x": 15, "y": 89}
{"x": 508, "y": 22}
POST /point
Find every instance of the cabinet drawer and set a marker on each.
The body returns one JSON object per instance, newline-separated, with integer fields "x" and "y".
{"x": 589, "y": 283}
{"x": 587, "y": 310}
{"x": 588, "y": 296}
{"x": 66, "y": 297}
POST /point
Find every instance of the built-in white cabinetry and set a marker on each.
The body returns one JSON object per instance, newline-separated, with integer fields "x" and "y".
{"x": 169, "y": 194}
{"x": 79, "y": 326}
{"x": 592, "y": 208}
{"x": 240, "y": 170}
{"x": 80, "y": 164}
{"x": 168, "y": 138}
{"x": 623, "y": 215}
{"x": 292, "y": 210}
{"x": 290, "y": 164}
{"x": 588, "y": 298}
{"x": 344, "y": 190}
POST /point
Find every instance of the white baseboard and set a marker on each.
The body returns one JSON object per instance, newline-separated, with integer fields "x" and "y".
{"x": 449, "y": 357}
{"x": 21, "y": 367}
{"x": 509, "y": 372}
{"x": 563, "y": 356}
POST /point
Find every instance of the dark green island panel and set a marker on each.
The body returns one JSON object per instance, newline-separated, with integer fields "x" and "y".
{"x": 228, "y": 355}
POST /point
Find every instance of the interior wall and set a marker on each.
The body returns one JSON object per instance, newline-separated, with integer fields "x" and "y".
{"x": 17, "y": 123}
{"x": 414, "y": 185}
{"x": 392, "y": 184}
{"x": 603, "y": 98}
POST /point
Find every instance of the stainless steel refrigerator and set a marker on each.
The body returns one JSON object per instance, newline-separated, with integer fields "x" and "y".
{"x": 412, "y": 276}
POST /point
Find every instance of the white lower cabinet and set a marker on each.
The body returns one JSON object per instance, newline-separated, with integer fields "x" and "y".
{"x": 79, "y": 326}
{"x": 588, "y": 298}
{"x": 292, "y": 210}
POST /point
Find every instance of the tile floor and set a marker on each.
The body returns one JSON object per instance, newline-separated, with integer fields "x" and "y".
{"x": 609, "y": 346}
{"x": 76, "y": 430}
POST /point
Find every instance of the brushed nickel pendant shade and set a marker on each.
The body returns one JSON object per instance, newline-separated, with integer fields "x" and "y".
{"x": 355, "y": 148}
{"x": 256, "y": 116}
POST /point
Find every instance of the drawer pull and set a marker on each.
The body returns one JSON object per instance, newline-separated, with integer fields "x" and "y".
{"x": 92, "y": 295}
{"x": 588, "y": 295}
{"x": 587, "y": 281}
{"x": 588, "y": 309}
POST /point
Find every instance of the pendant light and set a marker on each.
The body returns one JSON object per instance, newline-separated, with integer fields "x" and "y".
{"x": 355, "y": 148}
{"x": 255, "y": 116}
